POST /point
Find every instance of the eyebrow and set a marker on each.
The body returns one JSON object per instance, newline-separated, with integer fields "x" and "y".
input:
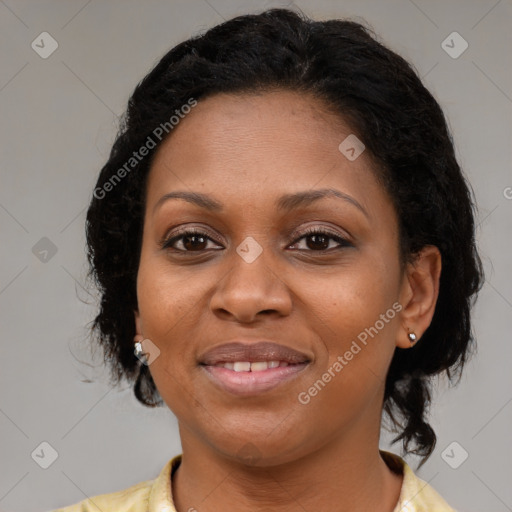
{"x": 287, "y": 202}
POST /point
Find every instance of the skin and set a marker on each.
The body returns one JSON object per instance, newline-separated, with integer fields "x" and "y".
{"x": 246, "y": 151}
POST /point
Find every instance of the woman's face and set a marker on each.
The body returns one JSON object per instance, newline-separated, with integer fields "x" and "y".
{"x": 256, "y": 169}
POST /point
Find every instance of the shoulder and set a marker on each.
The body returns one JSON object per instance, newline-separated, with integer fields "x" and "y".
{"x": 134, "y": 498}
{"x": 150, "y": 495}
{"x": 416, "y": 494}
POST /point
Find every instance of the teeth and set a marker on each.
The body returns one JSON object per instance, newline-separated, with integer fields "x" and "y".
{"x": 258, "y": 367}
{"x": 242, "y": 366}
{"x": 246, "y": 366}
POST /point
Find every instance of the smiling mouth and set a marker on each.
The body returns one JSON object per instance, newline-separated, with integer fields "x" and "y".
{"x": 245, "y": 368}
{"x": 256, "y": 366}
{"x": 246, "y": 379}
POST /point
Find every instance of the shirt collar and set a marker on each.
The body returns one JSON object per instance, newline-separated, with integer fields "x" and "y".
{"x": 160, "y": 498}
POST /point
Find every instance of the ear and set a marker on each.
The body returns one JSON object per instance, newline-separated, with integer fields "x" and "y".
{"x": 418, "y": 295}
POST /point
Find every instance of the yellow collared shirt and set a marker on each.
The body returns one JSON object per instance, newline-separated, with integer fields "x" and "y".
{"x": 156, "y": 495}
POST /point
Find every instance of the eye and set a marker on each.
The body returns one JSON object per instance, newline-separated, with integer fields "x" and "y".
{"x": 320, "y": 240}
{"x": 191, "y": 241}
{"x": 316, "y": 240}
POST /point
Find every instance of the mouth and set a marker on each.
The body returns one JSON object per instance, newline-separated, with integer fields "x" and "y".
{"x": 252, "y": 369}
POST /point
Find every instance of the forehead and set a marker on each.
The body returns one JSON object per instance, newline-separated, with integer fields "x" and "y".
{"x": 255, "y": 120}
{"x": 257, "y": 145}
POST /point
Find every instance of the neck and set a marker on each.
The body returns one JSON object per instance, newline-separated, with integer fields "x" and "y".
{"x": 348, "y": 472}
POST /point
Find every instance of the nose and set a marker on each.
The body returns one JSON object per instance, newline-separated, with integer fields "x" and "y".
{"x": 251, "y": 289}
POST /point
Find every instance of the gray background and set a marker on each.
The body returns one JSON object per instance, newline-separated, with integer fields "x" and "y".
{"x": 58, "y": 117}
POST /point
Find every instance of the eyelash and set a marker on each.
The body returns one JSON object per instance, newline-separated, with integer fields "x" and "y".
{"x": 167, "y": 243}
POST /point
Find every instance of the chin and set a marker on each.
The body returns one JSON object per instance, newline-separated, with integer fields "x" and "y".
{"x": 256, "y": 448}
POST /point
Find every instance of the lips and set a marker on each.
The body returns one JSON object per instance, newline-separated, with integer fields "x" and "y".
{"x": 262, "y": 351}
{"x": 250, "y": 369}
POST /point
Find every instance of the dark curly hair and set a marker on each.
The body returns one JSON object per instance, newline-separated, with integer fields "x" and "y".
{"x": 383, "y": 100}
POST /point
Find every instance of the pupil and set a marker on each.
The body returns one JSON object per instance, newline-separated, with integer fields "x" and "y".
{"x": 188, "y": 241}
{"x": 319, "y": 242}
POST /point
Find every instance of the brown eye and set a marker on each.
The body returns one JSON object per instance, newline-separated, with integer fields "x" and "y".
{"x": 194, "y": 242}
{"x": 320, "y": 241}
{"x": 191, "y": 241}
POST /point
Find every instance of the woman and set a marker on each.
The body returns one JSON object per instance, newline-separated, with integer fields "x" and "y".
{"x": 284, "y": 243}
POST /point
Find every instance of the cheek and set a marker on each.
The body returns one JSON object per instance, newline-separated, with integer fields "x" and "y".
{"x": 359, "y": 345}
{"x": 168, "y": 308}
{"x": 165, "y": 297}
{"x": 352, "y": 299}
{"x": 357, "y": 313}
